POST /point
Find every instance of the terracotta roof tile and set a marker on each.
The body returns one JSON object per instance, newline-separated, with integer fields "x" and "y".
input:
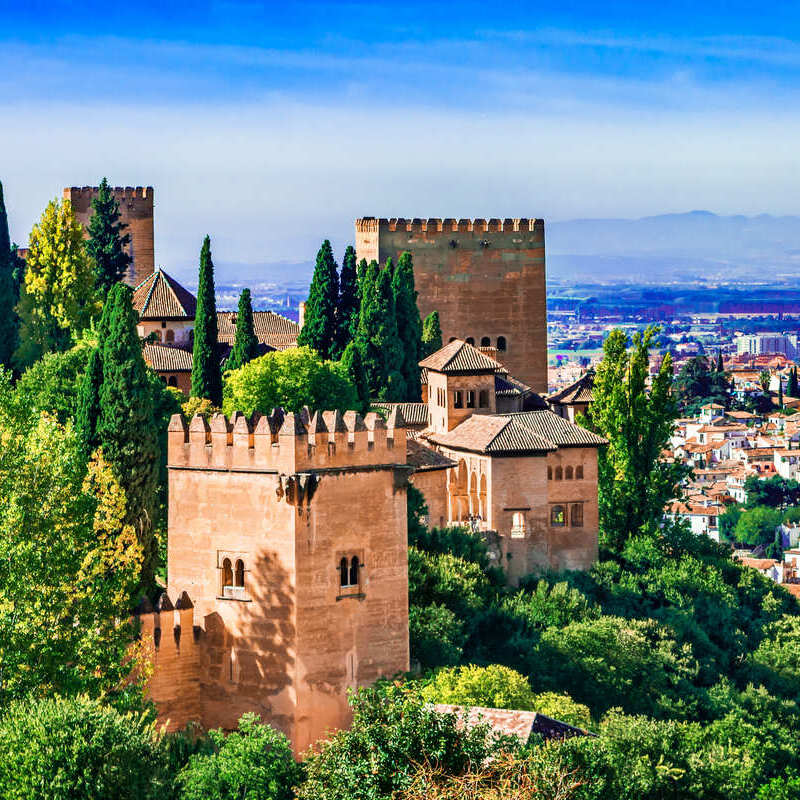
{"x": 555, "y": 429}
{"x": 270, "y": 328}
{"x": 579, "y": 391}
{"x": 424, "y": 458}
{"x": 413, "y": 414}
{"x": 458, "y": 356}
{"x": 163, "y": 358}
{"x": 492, "y": 434}
{"x": 160, "y": 296}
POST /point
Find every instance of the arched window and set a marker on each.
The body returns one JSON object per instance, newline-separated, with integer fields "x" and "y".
{"x": 559, "y": 474}
{"x": 501, "y": 343}
{"x": 343, "y": 573}
{"x": 170, "y": 337}
{"x": 470, "y": 340}
{"x": 173, "y": 381}
{"x": 579, "y": 473}
{"x": 227, "y": 573}
{"x": 486, "y": 341}
{"x": 549, "y": 473}
{"x": 576, "y": 515}
{"x": 239, "y": 573}
{"x": 568, "y": 474}
{"x": 557, "y": 516}
{"x": 354, "y": 571}
{"x": 483, "y": 398}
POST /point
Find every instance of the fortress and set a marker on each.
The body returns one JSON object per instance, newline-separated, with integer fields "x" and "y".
{"x": 136, "y": 211}
{"x": 288, "y": 571}
{"x": 486, "y": 278}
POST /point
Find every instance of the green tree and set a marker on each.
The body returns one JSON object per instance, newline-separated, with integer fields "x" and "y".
{"x": 378, "y": 338}
{"x": 107, "y": 241}
{"x": 408, "y": 325}
{"x": 88, "y": 409}
{"x": 431, "y": 334}
{"x": 59, "y": 298}
{"x": 792, "y": 389}
{"x": 351, "y": 361}
{"x": 69, "y": 564}
{"x": 319, "y": 331}
{"x": 9, "y": 321}
{"x": 634, "y": 483}
{"x": 63, "y": 748}
{"x": 436, "y": 634}
{"x": 292, "y": 379}
{"x": 393, "y": 731}
{"x": 349, "y": 305}
{"x": 764, "y": 379}
{"x": 245, "y": 347}
{"x": 494, "y": 686}
{"x": 757, "y": 526}
{"x": 126, "y": 428}
{"x": 775, "y": 492}
{"x": 253, "y": 762}
{"x": 206, "y": 372}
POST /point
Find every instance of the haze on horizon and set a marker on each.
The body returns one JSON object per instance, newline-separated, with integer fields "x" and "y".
{"x": 273, "y": 125}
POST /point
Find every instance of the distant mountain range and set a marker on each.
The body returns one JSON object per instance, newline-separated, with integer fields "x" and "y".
{"x": 668, "y": 246}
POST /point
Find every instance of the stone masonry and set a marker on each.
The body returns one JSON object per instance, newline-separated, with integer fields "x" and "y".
{"x": 136, "y": 211}
{"x": 486, "y": 278}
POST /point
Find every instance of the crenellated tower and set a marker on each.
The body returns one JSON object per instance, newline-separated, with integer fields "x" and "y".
{"x": 136, "y": 211}
{"x": 288, "y": 539}
{"x": 485, "y": 277}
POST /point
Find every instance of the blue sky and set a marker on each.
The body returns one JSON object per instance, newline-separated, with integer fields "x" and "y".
{"x": 272, "y": 125}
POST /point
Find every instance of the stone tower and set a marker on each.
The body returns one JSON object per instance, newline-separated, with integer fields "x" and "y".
{"x": 486, "y": 278}
{"x": 136, "y": 211}
{"x": 288, "y": 539}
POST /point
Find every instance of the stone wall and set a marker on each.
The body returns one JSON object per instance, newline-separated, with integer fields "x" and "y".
{"x": 136, "y": 211}
{"x": 485, "y": 277}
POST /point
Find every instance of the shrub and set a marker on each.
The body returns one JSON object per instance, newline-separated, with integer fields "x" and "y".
{"x": 254, "y": 762}
{"x": 494, "y": 686}
{"x": 68, "y": 748}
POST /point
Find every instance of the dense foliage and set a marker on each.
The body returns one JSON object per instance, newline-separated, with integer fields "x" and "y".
{"x": 700, "y": 382}
{"x": 292, "y": 378}
{"x": 349, "y": 305}
{"x": 409, "y": 327}
{"x": 320, "y": 331}
{"x": 68, "y": 748}
{"x": 431, "y": 334}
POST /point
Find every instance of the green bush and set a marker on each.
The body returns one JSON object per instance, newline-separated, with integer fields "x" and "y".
{"x": 69, "y": 748}
{"x": 254, "y": 762}
{"x": 494, "y": 686}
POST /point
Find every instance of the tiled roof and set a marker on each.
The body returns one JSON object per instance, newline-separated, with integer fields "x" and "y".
{"x": 458, "y": 356}
{"x": 424, "y": 458}
{"x": 506, "y": 386}
{"x": 483, "y": 433}
{"x": 555, "y": 429}
{"x": 413, "y": 414}
{"x": 579, "y": 391}
{"x": 270, "y": 328}
{"x": 160, "y": 296}
{"x": 163, "y": 358}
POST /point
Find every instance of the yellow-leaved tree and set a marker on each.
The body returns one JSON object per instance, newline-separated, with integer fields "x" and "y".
{"x": 69, "y": 564}
{"x": 59, "y": 297}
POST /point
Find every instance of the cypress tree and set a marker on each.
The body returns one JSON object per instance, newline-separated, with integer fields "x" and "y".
{"x": 347, "y": 312}
{"x": 409, "y": 326}
{"x": 792, "y": 388}
{"x": 245, "y": 347}
{"x": 319, "y": 328}
{"x": 9, "y": 292}
{"x": 351, "y": 359}
{"x": 371, "y": 359}
{"x": 107, "y": 242}
{"x": 126, "y": 428}
{"x": 780, "y": 391}
{"x": 88, "y": 412}
{"x": 206, "y": 372}
{"x": 720, "y": 364}
{"x": 431, "y": 334}
{"x": 387, "y": 339}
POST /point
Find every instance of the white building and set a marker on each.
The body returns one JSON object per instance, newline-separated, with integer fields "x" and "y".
{"x": 760, "y": 344}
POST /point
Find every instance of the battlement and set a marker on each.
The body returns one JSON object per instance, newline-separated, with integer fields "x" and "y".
{"x": 286, "y": 442}
{"x": 120, "y": 192}
{"x": 437, "y": 225}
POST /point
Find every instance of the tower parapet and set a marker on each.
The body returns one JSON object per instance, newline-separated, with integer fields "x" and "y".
{"x": 136, "y": 211}
{"x": 285, "y": 442}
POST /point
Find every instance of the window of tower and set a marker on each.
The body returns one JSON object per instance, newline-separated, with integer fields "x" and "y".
{"x": 501, "y": 343}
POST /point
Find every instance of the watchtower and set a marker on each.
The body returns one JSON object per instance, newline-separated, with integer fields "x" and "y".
{"x": 136, "y": 211}
{"x": 288, "y": 536}
{"x": 486, "y": 278}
